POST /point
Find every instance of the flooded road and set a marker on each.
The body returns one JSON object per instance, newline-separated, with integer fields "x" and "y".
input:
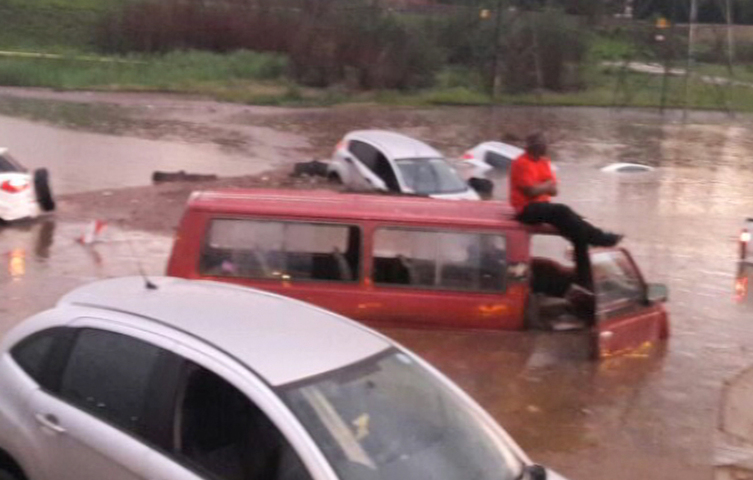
{"x": 651, "y": 417}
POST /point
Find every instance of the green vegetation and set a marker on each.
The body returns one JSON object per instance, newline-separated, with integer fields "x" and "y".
{"x": 361, "y": 55}
{"x": 172, "y": 72}
{"x": 51, "y": 24}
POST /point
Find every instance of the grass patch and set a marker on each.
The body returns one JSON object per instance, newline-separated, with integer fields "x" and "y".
{"x": 48, "y": 23}
{"x": 174, "y": 72}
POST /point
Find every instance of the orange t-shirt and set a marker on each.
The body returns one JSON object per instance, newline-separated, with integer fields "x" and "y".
{"x": 526, "y": 172}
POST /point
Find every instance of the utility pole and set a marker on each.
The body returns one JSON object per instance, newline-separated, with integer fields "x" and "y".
{"x": 691, "y": 50}
{"x": 495, "y": 60}
{"x": 730, "y": 37}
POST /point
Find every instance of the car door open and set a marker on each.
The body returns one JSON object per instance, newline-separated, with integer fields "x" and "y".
{"x": 630, "y": 316}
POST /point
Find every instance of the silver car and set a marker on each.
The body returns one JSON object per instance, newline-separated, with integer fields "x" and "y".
{"x": 175, "y": 379}
{"x": 387, "y": 161}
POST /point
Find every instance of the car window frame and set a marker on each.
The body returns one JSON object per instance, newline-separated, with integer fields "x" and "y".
{"x": 441, "y": 230}
{"x": 256, "y": 390}
{"x": 359, "y": 274}
{"x": 376, "y": 152}
{"x": 53, "y": 364}
{"x": 57, "y": 363}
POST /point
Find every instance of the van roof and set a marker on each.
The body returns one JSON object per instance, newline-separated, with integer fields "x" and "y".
{"x": 330, "y": 205}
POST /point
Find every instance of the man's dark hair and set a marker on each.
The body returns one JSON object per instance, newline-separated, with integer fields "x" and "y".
{"x": 536, "y": 144}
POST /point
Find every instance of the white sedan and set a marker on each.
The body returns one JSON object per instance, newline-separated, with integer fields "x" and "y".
{"x": 479, "y": 160}
{"x": 22, "y": 195}
{"x": 130, "y": 379}
{"x": 391, "y": 162}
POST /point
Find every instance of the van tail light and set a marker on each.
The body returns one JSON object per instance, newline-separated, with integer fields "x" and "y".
{"x": 340, "y": 146}
{"x": 744, "y": 241}
{"x": 14, "y": 186}
{"x": 467, "y": 156}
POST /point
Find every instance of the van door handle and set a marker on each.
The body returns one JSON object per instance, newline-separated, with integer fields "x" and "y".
{"x": 49, "y": 421}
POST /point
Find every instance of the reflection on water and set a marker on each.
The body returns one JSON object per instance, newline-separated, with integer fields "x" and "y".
{"x": 17, "y": 262}
{"x": 647, "y": 416}
{"x": 742, "y": 281}
{"x": 44, "y": 261}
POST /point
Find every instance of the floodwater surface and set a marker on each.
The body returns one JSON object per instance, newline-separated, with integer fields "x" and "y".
{"x": 651, "y": 415}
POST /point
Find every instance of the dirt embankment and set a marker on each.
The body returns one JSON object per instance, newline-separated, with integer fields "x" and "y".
{"x": 158, "y": 208}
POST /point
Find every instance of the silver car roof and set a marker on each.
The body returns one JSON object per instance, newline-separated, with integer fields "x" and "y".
{"x": 396, "y": 145}
{"x": 281, "y": 339}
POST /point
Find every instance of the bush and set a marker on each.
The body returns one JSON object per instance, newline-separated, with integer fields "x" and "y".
{"x": 324, "y": 40}
{"x": 543, "y": 49}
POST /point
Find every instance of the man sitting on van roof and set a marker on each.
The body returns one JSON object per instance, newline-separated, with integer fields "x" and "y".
{"x": 533, "y": 184}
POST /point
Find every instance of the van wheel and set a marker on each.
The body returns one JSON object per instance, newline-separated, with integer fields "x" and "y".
{"x": 334, "y": 178}
{"x": 43, "y": 191}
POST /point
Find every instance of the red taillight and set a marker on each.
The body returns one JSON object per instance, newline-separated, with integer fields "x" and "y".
{"x": 467, "y": 156}
{"x": 14, "y": 186}
{"x": 340, "y": 145}
{"x": 744, "y": 240}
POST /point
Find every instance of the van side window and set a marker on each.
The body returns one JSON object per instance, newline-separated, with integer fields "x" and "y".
{"x": 281, "y": 250}
{"x": 444, "y": 260}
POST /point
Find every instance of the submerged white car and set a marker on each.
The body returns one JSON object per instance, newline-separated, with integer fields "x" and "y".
{"x": 387, "y": 161}
{"x": 479, "y": 160}
{"x": 187, "y": 380}
{"x": 22, "y": 194}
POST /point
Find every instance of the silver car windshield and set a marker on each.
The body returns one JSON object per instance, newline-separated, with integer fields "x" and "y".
{"x": 429, "y": 176}
{"x": 388, "y": 418}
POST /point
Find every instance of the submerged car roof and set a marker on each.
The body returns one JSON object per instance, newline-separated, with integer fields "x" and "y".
{"x": 504, "y": 148}
{"x": 282, "y": 339}
{"x": 394, "y": 144}
{"x": 331, "y": 205}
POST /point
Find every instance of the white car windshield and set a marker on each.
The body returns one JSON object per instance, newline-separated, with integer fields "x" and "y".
{"x": 429, "y": 176}
{"x": 388, "y": 418}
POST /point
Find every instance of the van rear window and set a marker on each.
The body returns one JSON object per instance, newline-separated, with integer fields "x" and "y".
{"x": 442, "y": 260}
{"x": 281, "y": 250}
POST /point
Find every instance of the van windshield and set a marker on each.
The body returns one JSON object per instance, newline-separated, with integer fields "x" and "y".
{"x": 428, "y": 176}
{"x": 388, "y": 418}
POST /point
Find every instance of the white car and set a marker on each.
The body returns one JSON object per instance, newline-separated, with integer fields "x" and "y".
{"x": 22, "y": 195}
{"x": 482, "y": 158}
{"x": 176, "y": 379}
{"x": 387, "y": 161}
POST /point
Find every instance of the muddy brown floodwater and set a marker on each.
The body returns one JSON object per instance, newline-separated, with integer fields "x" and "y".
{"x": 648, "y": 417}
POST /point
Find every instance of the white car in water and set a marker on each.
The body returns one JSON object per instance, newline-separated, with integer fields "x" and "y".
{"x": 479, "y": 160}
{"x": 166, "y": 378}
{"x": 22, "y": 194}
{"x": 387, "y": 161}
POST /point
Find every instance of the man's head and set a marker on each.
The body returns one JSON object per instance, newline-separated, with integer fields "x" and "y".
{"x": 536, "y": 145}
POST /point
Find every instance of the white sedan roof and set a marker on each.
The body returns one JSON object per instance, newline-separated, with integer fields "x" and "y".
{"x": 396, "y": 145}
{"x": 281, "y": 339}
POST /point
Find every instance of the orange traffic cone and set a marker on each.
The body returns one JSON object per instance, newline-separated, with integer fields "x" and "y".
{"x": 92, "y": 232}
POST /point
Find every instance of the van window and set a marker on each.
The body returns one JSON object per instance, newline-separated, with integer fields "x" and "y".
{"x": 448, "y": 260}
{"x": 616, "y": 281}
{"x": 281, "y": 250}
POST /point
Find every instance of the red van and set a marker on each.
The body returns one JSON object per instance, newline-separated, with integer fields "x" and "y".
{"x": 413, "y": 262}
